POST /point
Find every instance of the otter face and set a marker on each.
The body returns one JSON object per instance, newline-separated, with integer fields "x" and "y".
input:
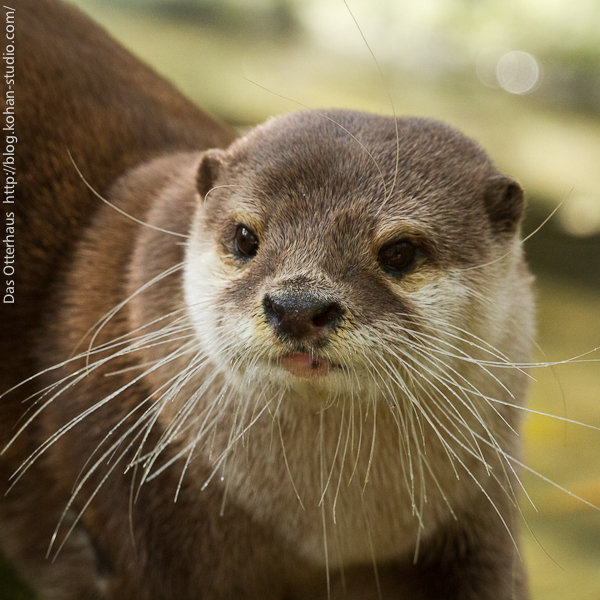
{"x": 332, "y": 255}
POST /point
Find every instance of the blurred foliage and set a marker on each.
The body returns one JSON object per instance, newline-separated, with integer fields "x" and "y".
{"x": 246, "y": 75}
{"x": 11, "y": 586}
{"x": 247, "y": 60}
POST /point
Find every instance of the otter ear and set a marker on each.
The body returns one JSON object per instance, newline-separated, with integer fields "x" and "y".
{"x": 504, "y": 203}
{"x": 211, "y": 165}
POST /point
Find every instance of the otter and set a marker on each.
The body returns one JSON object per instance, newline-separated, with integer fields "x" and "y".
{"x": 277, "y": 366}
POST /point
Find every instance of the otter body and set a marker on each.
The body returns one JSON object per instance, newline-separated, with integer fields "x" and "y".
{"x": 287, "y": 368}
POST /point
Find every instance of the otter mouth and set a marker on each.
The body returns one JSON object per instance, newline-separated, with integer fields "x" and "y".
{"x": 308, "y": 366}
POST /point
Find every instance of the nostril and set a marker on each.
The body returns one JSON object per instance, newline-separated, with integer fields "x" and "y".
{"x": 273, "y": 311}
{"x": 327, "y": 316}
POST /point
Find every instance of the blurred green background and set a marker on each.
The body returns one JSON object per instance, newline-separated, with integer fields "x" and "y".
{"x": 520, "y": 76}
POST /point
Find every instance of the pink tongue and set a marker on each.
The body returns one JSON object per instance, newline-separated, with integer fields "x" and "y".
{"x": 305, "y": 365}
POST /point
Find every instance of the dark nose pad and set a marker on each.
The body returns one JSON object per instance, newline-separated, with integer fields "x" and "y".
{"x": 301, "y": 315}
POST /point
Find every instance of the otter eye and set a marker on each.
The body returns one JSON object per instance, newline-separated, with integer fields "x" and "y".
{"x": 245, "y": 243}
{"x": 398, "y": 258}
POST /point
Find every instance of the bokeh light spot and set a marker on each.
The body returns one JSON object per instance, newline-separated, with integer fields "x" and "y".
{"x": 518, "y": 72}
{"x": 581, "y": 216}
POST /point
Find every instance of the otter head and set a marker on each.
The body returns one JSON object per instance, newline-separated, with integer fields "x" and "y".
{"x": 341, "y": 254}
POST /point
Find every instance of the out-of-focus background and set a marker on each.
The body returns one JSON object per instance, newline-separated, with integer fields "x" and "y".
{"x": 520, "y": 76}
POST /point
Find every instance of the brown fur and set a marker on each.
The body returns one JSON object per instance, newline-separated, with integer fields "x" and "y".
{"x": 319, "y": 205}
{"x": 77, "y": 91}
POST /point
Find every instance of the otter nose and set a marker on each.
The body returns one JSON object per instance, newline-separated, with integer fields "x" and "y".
{"x": 301, "y": 315}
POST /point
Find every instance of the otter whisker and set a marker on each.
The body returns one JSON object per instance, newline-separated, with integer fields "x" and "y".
{"x": 374, "y": 404}
{"x": 287, "y": 466}
{"x": 323, "y": 519}
{"x": 359, "y": 442}
{"x": 342, "y": 465}
{"x": 479, "y": 456}
{"x": 181, "y": 417}
{"x": 468, "y": 471}
{"x": 198, "y": 362}
{"x": 453, "y": 383}
{"x": 224, "y": 454}
{"x": 73, "y": 422}
{"x": 172, "y": 387}
{"x": 111, "y": 313}
{"x": 522, "y": 465}
{"x": 234, "y": 430}
{"x": 59, "y": 366}
{"x": 460, "y": 354}
{"x": 389, "y": 95}
{"x": 493, "y": 443}
{"x": 114, "y": 207}
{"x": 153, "y": 456}
{"x": 370, "y": 542}
{"x": 405, "y": 388}
{"x": 255, "y": 190}
{"x": 122, "y": 341}
{"x": 543, "y": 414}
{"x": 417, "y": 511}
{"x": 404, "y": 450}
{"x": 448, "y": 387}
{"x": 144, "y": 365}
{"x": 492, "y": 400}
{"x": 444, "y": 328}
{"x": 89, "y": 500}
{"x": 337, "y": 449}
{"x": 126, "y": 338}
{"x": 180, "y": 422}
{"x": 478, "y": 363}
{"x": 141, "y": 342}
{"x": 40, "y": 394}
{"x": 108, "y": 453}
{"x": 519, "y": 243}
{"x": 149, "y": 459}
{"x": 350, "y": 426}
{"x": 190, "y": 451}
{"x": 413, "y": 401}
